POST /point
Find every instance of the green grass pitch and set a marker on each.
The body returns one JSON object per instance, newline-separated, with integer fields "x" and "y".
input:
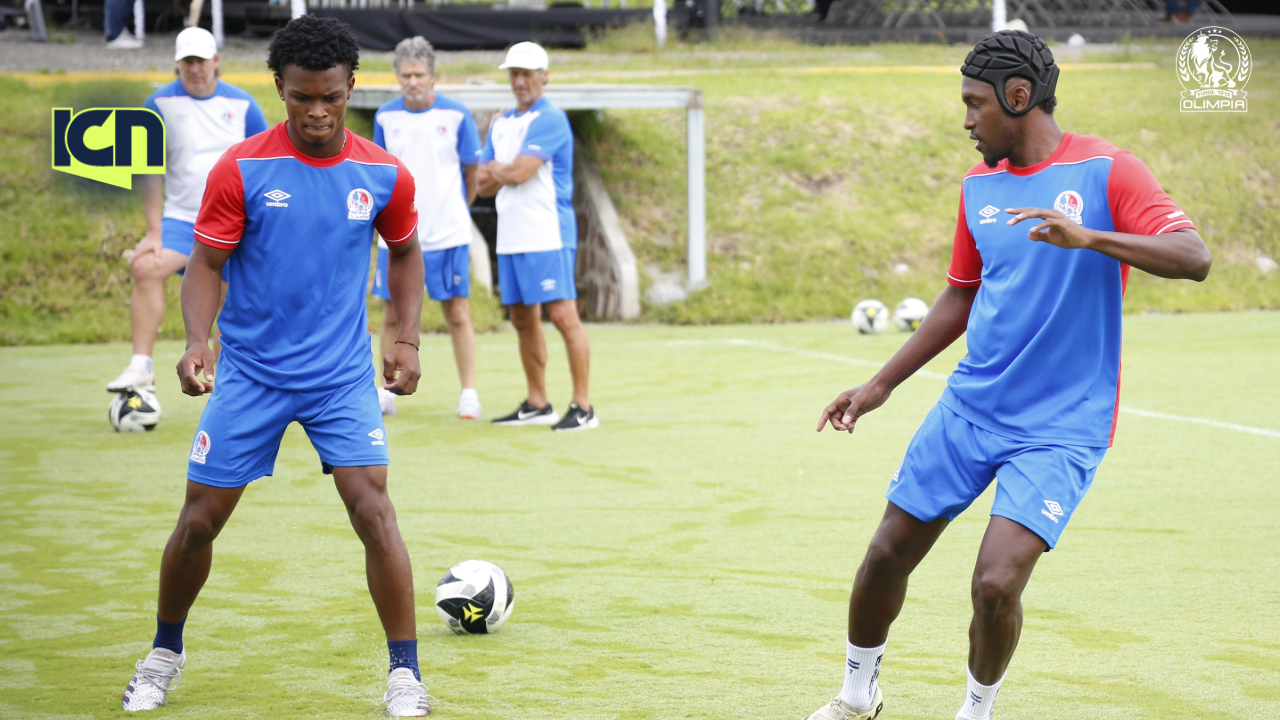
{"x": 690, "y": 559}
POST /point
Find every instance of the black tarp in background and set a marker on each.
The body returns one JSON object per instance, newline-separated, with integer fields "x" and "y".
{"x": 467, "y": 29}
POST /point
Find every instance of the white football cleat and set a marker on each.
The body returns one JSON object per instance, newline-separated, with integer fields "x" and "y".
{"x": 838, "y": 709}
{"x": 406, "y": 696}
{"x": 125, "y": 41}
{"x": 132, "y": 379}
{"x": 469, "y": 405}
{"x": 153, "y": 679}
{"x": 387, "y": 401}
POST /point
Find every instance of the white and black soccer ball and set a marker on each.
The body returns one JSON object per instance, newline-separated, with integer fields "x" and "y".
{"x": 870, "y": 317}
{"x": 475, "y": 597}
{"x": 909, "y": 314}
{"x": 134, "y": 411}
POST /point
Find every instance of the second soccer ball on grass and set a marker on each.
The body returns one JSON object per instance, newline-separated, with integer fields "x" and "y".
{"x": 909, "y": 314}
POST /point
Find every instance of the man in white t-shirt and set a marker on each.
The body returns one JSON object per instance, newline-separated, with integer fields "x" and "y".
{"x": 436, "y": 139}
{"x": 528, "y": 163}
{"x": 203, "y": 116}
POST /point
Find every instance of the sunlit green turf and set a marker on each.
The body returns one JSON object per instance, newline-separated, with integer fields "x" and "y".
{"x": 690, "y": 559}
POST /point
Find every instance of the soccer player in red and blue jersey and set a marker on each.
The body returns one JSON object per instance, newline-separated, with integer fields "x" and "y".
{"x": 1035, "y": 400}
{"x": 291, "y": 213}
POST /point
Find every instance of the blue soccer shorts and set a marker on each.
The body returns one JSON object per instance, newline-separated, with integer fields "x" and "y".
{"x": 447, "y": 273}
{"x": 538, "y": 277}
{"x": 180, "y": 236}
{"x": 950, "y": 462}
{"x": 239, "y": 433}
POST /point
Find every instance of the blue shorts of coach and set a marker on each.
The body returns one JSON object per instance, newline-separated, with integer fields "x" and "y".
{"x": 447, "y": 273}
{"x": 537, "y": 277}
{"x": 239, "y": 433}
{"x": 180, "y": 237}
{"x": 950, "y": 462}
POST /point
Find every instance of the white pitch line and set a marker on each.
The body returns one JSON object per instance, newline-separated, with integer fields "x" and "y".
{"x": 1265, "y": 432}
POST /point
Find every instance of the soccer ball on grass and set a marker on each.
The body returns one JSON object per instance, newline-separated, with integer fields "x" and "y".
{"x": 134, "y": 411}
{"x": 474, "y": 598}
{"x": 909, "y": 314}
{"x": 870, "y": 317}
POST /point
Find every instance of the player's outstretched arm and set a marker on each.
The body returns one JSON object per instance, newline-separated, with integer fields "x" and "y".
{"x": 201, "y": 295}
{"x": 1178, "y": 255}
{"x": 401, "y": 368}
{"x": 945, "y": 322}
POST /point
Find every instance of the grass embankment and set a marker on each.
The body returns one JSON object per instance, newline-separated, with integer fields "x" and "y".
{"x": 686, "y": 560}
{"x": 826, "y": 168}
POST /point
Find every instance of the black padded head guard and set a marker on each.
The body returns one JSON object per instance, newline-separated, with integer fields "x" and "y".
{"x": 1013, "y": 53}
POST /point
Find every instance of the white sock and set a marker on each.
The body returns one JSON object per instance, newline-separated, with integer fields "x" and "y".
{"x": 861, "y": 670}
{"x": 141, "y": 363}
{"x": 980, "y": 700}
{"x": 470, "y": 393}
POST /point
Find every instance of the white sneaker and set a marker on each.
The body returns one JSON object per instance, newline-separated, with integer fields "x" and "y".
{"x": 125, "y": 41}
{"x": 469, "y": 405}
{"x": 154, "y": 678}
{"x": 387, "y": 401}
{"x": 132, "y": 379}
{"x": 406, "y": 696}
{"x": 838, "y": 709}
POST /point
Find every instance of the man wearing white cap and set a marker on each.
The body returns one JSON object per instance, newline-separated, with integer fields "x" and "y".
{"x": 203, "y": 116}
{"x": 528, "y": 163}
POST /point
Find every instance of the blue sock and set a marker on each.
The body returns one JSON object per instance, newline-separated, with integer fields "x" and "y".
{"x": 169, "y": 635}
{"x": 404, "y": 653}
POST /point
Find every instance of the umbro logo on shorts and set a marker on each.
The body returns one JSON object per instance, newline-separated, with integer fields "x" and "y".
{"x": 1053, "y": 509}
{"x": 377, "y": 437}
{"x": 549, "y": 284}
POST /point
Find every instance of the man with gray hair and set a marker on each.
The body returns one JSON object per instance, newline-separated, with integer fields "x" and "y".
{"x": 436, "y": 139}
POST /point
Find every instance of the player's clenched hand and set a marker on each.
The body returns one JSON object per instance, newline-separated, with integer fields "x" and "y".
{"x": 197, "y": 361}
{"x": 844, "y": 411}
{"x": 148, "y": 249}
{"x": 1056, "y": 228}
{"x": 401, "y": 370}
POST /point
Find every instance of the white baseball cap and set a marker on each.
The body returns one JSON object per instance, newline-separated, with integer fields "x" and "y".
{"x": 197, "y": 42}
{"x": 527, "y": 55}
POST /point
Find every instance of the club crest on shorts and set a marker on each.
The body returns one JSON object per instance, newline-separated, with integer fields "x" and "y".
{"x": 1070, "y": 203}
{"x": 359, "y": 204}
{"x": 200, "y": 448}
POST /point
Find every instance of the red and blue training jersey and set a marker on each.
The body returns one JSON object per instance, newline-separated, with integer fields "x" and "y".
{"x": 1044, "y": 331}
{"x": 300, "y": 229}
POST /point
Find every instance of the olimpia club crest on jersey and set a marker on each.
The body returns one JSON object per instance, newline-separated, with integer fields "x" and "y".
{"x": 1214, "y": 66}
{"x": 1070, "y": 203}
{"x": 359, "y": 204}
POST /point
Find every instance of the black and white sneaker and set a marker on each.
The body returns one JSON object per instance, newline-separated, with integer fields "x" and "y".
{"x": 527, "y": 414}
{"x": 577, "y": 419}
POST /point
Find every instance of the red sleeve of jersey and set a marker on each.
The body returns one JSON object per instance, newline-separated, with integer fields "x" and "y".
{"x": 966, "y": 263}
{"x": 221, "y": 220}
{"x": 1138, "y": 204}
{"x": 399, "y": 218}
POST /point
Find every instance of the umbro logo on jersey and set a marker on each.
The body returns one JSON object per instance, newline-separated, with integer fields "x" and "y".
{"x": 277, "y": 198}
{"x": 1052, "y": 509}
{"x": 377, "y": 437}
{"x": 988, "y": 213}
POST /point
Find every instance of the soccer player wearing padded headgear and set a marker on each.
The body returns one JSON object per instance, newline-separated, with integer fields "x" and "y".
{"x": 527, "y": 162}
{"x": 291, "y": 213}
{"x": 1034, "y": 402}
{"x": 436, "y": 138}
{"x": 203, "y": 116}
